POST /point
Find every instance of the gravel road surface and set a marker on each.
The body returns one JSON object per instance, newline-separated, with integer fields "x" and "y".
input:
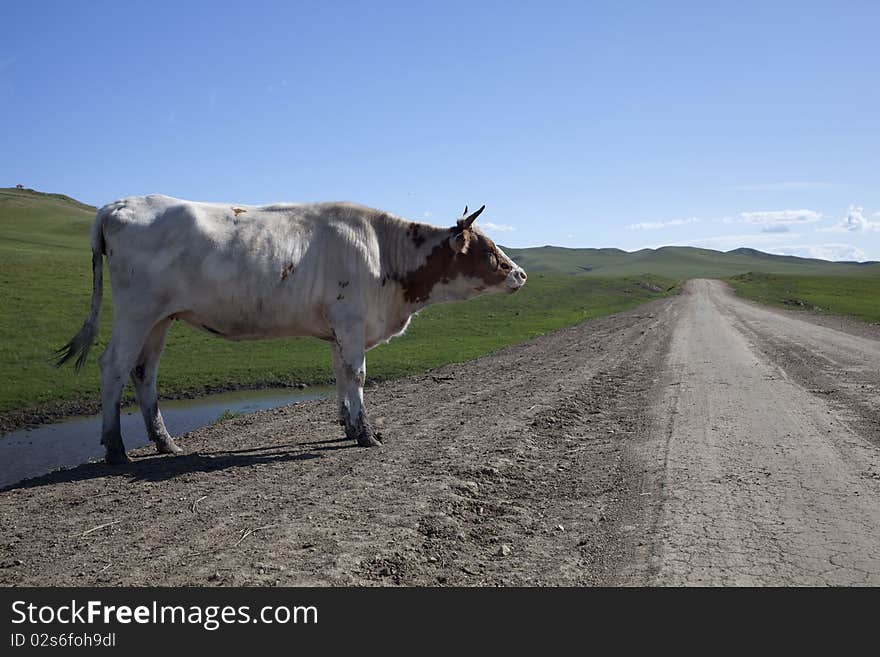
{"x": 767, "y": 478}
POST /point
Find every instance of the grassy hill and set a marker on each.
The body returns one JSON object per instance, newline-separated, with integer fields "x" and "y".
{"x": 679, "y": 262}
{"x": 45, "y": 281}
{"x": 857, "y": 296}
{"x": 842, "y": 288}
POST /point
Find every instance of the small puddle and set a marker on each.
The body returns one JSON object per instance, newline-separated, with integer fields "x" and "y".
{"x": 32, "y": 452}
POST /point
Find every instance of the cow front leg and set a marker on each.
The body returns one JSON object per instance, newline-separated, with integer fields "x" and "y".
{"x": 349, "y": 345}
{"x": 143, "y": 378}
{"x": 341, "y": 390}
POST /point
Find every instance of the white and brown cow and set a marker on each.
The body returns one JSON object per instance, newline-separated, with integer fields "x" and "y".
{"x": 344, "y": 273}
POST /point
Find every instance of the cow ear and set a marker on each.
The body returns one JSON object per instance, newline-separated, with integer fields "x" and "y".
{"x": 467, "y": 221}
{"x": 460, "y": 240}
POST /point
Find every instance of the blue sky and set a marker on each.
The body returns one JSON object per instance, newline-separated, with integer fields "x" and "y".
{"x": 578, "y": 124}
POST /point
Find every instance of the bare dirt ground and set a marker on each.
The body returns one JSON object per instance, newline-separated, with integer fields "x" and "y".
{"x": 695, "y": 440}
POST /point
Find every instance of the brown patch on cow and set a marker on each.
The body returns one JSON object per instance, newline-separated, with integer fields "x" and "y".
{"x": 462, "y": 241}
{"x": 286, "y": 271}
{"x": 417, "y": 284}
{"x": 238, "y": 211}
{"x": 480, "y": 259}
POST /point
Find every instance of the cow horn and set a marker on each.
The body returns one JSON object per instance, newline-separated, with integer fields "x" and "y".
{"x": 467, "y": 221}
{"x": 465, "y": 211}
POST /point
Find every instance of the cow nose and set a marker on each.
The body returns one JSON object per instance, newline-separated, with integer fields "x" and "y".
{"x": 521, "y": 275}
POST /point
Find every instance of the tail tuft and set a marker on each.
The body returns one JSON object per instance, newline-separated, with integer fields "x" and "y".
{"x": 80, "y": 344}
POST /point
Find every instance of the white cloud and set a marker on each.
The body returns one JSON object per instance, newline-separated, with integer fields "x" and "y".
{"x": 776, "y": 228}
{"x": 855, "y": 221}
{"x": 822, "y": 251}
{"x": 775, "y": 221}
{"x": 654, "y": 225}
{"x": 760, "y": 241}
{"x": 785, "y": 243}
{"x": 775, "y": 217}
{"x": 500, "y": 228}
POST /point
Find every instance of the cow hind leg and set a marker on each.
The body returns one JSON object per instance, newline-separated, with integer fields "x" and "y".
{"x": 143, "y": 378}
{"x": 349, "y": 353}
{"x": 116, "y": 363}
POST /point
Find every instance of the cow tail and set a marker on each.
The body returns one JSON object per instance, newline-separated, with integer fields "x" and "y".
{"x": 80, "y": 343}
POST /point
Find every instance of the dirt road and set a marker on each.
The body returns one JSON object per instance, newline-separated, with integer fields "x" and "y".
{"x": 767, "y": 480}
{"x": 695, "y": 440}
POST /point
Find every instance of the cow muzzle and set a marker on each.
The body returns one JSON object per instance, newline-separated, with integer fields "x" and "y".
{"x": 516, "y": 279}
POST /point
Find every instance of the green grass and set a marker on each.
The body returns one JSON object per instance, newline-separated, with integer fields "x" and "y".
{"x": 45, "y": 278}
{"x": 227, "y": 415}
{"x": 857, "y": 296}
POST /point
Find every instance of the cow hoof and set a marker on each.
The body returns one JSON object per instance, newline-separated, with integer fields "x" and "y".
{"x": 116, "y": 458}
{"x": 369, "y": 439}
{"x": 167, "y": 446}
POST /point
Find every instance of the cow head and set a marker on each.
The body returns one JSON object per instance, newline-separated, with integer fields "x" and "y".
{"x": 463, "y": 264}
{"x": 479, "y": 262}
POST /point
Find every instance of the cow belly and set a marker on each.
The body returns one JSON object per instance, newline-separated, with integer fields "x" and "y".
{"x": 379, "y": 332}
{"x": 242, "y": 325}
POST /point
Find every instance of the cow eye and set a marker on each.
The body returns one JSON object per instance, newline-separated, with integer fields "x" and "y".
{"x": 505, "y": 266}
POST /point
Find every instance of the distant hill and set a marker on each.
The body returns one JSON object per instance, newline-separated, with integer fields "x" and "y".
{"x": 33, "y": 194}
{"x": 35, "y": 218}
{"x": 678, "y": 262}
